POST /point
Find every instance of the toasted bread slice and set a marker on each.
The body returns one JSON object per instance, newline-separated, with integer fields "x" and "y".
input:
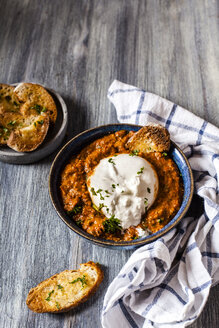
{"x": 150, "y": 138}
{"x": 65, "y": 290}
{"x": 9, "y": 121}
{"x": 30, "y": 135}
{"x": 9, "y": 101}
{"x": 36, "y": 100}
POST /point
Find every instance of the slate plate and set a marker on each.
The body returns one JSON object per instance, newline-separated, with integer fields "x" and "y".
{"x": 52, "y": 141}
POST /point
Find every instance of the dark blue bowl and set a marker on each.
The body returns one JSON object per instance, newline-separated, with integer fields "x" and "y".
{"x": 80, "y": 141}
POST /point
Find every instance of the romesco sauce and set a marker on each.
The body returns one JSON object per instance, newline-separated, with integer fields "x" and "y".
{"x": 76, "y": 198}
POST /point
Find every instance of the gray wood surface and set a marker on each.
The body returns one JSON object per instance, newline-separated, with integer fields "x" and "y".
{"x": 78, "y": 48}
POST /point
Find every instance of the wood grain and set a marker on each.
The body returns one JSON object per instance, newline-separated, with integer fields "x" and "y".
{"x": 78, "y": 48}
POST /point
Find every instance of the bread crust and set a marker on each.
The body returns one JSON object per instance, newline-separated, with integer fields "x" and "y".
{"x": 35, "y": 97}
{"x": 59, "y": 298}
{"x": 150, "y": 138}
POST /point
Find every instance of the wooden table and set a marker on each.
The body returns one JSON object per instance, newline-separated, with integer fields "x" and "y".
{"x": 78, "y": 48}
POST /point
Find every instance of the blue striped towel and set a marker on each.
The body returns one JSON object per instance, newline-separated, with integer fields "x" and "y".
{"x": 167, "y": 283}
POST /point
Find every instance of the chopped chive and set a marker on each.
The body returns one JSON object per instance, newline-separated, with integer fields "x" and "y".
{"x": 149, "y": 190}
{"x": 49, "y": 296}
{"x": 93, "y": 192}
{"x": 111, "y": 161}
{"x": 82, "y": 280}
{"x": 141, "y": 170}
{"x": 60, "y": 286}
{"x": 134, "y": 152}
{"x": 112, "y": 224}
{"x": 95, "y": 207}
{"x": 12, "y": 123}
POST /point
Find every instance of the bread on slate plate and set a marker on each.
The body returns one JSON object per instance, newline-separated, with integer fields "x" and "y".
{"x": 65, "y": 290}
{"x": 35, "y": 99}
{"x": 30, "y": 134}
{"x": 8, "y": 99}
{"x": 150, "y": 138}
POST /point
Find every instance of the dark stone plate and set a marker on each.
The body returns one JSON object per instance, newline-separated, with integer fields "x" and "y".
{"x": 52, "y": 141}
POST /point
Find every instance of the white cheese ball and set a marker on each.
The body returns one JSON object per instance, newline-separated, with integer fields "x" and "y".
{"x": 124, "y": 187}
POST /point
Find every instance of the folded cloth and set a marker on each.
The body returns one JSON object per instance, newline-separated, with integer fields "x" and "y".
{"x": 166, "y": 283}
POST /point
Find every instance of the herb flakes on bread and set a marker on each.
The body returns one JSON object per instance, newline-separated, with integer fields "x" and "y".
{"x": 9, "y": 101}
{"x": 150, "y": 138}
{"x": 26, "y": 112}
{"x": 65, "y": 290}
{"x": 35, "y": 99}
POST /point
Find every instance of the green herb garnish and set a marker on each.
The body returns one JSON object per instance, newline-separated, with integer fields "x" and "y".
{"x": 101, "y": 206}
{"x": 34, "y": 123}
{"x": 40, "y": 122}
{"x": 141, "y": 170}
{"x": 12, "y": 123}
{"x": 57, "y": 305}
{"x": 79, "y": 223}
{"x": 134, "y": 152}
{"x": 37, "y": 108}
{"x": 44, "y": 110}
{"x": 49, "y": 296}
{"x": 112, "y": 224}
{"x": 164, "y": 154}
{"x": 82, "y": 280}
{"x": 93, "y": 192}
{"x": 111, "y": 161}
{"x": 95, "y": 207}
{"x": 76, "y": 210}
{"x": 149, "y": 190}
{"x": 60, "y": 286}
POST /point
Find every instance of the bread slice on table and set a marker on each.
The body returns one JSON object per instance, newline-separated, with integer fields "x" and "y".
{"x": 30, "y": 134}
{"x": 9, "y": 101}
{"x": 150, "y": 138}
{"x": 36, "y": 100}
{"x": 65, "y": 290}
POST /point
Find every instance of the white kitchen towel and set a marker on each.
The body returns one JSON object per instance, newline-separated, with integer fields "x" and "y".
{"x": 166, "y": 283}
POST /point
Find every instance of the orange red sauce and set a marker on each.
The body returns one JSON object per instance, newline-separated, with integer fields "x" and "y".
{"x": 76, "y": 198}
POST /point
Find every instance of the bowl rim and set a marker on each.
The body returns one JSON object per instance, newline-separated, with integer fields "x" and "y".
{"x": 111, "y": 243}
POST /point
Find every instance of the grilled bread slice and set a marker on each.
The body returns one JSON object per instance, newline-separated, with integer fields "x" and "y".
{"x": 35, "y": 100}
{"x": 30, "y": 134}
{"x": 150, "y": 138}
{"x": 65, "y": 290}
{"x": 9, "y": 121}
{"x": 8, "y": 99}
